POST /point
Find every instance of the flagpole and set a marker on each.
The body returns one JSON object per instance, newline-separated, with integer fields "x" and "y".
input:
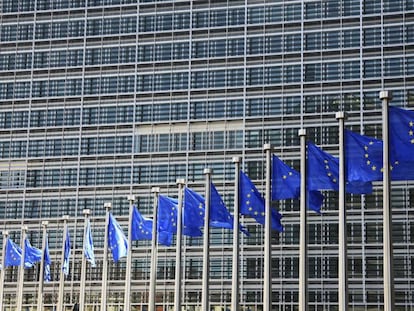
{"x": 107, "y": 206}
{"x": 154, "y": 241}
{"x": 303, "y": 242}
{"x": 61, "y": 274}
{"x": 267, "y": 272}
{"x": 205, "y": 295}
{"x": 127, "y": 297}
{"x": 86, "y": 213}
{"x": 236, "y": 238}
{"x": 42, "y": 267}
{"x": 386, "y": 97}
{"x": 343, "y": 257}
{"x": 3, "y": 266}
{"x": 21, "y": 269}
{"x": 178, "y": 251}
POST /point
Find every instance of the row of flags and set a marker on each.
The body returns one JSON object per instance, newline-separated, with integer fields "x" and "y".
{"x": 364, "y": 164}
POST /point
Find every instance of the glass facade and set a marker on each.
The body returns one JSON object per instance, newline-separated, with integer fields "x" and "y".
{"x": 100, "y": 99}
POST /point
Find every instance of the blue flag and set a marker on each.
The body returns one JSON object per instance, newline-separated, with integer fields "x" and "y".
{"x": 47, "y": 262}
{"x": 363, "y": 157}
{"x": 252, "y": 203}
{"x": 401, "y": 143}
{"x": 285, "y": 181}
{"x": 219, "y": 214}
{"x": 66, "y": 255}
{"x": 13, "y": 256}
{"x": 323, "y": 173}
{"x": 193, "y": 213}
{"x": 117, "y": 242}
{"x": 401, "y": 133}
{"x": 286, "y": 185}
{"x": 32, "y": 255}
{"x": 167, "y": 219}
{"x": 88, "y": 245}
{"x": 365, "y": 160}
{"x": 141, "y": 227}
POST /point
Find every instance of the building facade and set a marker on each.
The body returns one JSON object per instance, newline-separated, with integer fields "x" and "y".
{"x": 100, "y": 99}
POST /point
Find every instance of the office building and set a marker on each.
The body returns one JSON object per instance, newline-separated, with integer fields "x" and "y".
{"x": 100, "y": 99}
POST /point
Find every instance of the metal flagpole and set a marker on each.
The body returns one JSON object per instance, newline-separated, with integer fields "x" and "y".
{"x": 86, "y": 213}
{"x": 127, "y": 297}
{"x": 3, "y": 266}
{"x": 343, "y": 257}
{"x": 42, "y": 268}
{"x": 303, "y": 242}
{"x": 386, "y": 97}
{"x": 21, "y": 269}
{"x": 154, "y": 242}
{"x": 205, "y": 295}
{"x": 107, "y": 206}
{"x": 61, "y": 274}
{"x": 267, "y": 273}
{"x": 236, "y": 239}
{"x": 178, "y": 251}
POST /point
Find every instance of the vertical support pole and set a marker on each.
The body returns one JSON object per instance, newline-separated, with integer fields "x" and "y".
{"x": 42, "y": 267}
{"x": 21, "y": 269}
{"x": 61, "y": 273}
{"x": 107, "y": 206}
{"x": 205, "y": 294}
{"x": 153, "y": 275}
{"x": 3, "y": 265}
{"x": 86, "y": 213}
{"x": 178, "y": 248}
{"x": 342, "y": 255}
{"x": 267, "y": 272}
{"x": 127, "y": 294}
{"x": 235, "y": 305}
{"x": 386, "y": 97}
{"x": 303, "y": 239}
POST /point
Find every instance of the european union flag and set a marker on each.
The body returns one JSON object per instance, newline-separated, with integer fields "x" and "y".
{"x": 401, "y": 139}
{"x": 66, "y": 255}
{"x": 401, "y": 133}
{"x": 13, "y": 255}
{"x": 88, "y": 245}
{"x": 32, "y": 254}
{"x": 285, "y": 181}
{"x": 117, "y": 242}
{"x": 252, "y": 203}
{"x": 141, "y": 227}
{"x": 286, "y": 185}
{"x": 193, "y": 213}
{"x": 167, "y": 219}
{"x": 46, "y": 257}
{"x": 323, "y": 173}
{"x": 363, "y": 157}
{"x": 220, "y": 216}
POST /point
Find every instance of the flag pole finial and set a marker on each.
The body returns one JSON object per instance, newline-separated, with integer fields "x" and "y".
{"x": 207, "y": 171}
{"x": 236, "y": 159}
{"x": 180, "y": 181}
{"x": 385, "y": 95}
{"x": 86, "y": 212}
{"x": 107, "y": 205}
{"x": 131, "y": 198}
{"x": 340, "y": 115}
